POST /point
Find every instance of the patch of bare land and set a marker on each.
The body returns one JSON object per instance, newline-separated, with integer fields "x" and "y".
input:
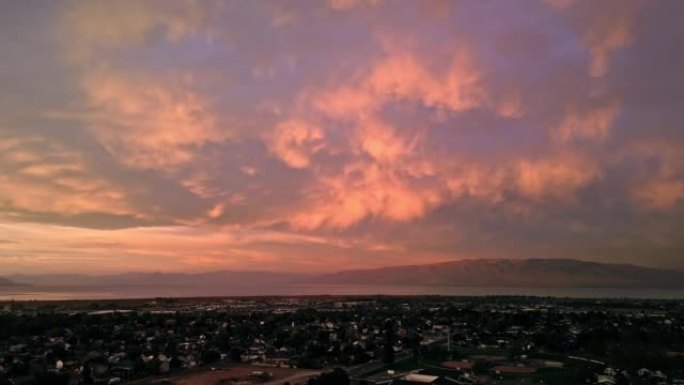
{"x": 236, "y": 374}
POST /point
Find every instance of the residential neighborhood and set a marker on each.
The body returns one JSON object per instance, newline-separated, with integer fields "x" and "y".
{"x": 373, "y": 340}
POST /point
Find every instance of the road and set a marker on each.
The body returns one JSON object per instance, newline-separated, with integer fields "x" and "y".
{"x": 292, "y": 379}
{"x": 371, "y": 367}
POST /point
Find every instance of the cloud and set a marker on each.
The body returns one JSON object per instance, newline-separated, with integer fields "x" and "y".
{"x": 343, "y": 5}
{"x": 554, "y": 178}
{"x": 366, "y": 190}
{"x": 148, "y": 124}
{"x": 594, "y": 124}
{"x": 661, "y": 194}
{"x": 49, "y": 248}
{"x": 659, "y": 177}
{"x": 403, "y": 76}
{"x": 604, "y": 29}
{"x": 41, "y": 176}
{"x": 84, "y": 28}
{"x": 383, "y": 176}
{"x": 380, "y": 140}
{"x": 295, "y": 141}
{"x": 301, "y": 136}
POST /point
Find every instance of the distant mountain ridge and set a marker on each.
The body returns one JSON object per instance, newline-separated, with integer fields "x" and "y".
{"x": 160, "y": 279}
{"x": 514, "y": 273}
{"x": 550, "y": 273}
{"x": 4, "y": 282}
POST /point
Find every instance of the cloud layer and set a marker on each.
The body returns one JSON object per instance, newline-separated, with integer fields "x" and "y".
{"x": 318, "y": 136}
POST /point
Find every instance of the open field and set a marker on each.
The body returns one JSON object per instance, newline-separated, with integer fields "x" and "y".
{"x": 462, "y": 364}
{"x": 234, "y": 374}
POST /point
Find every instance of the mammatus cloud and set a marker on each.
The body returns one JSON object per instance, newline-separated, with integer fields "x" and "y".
{"x": 149, "y": 124}
{"x": 294, "y": 142}
{"x": 170, "y": 135}
{"x": 555, "y": 178}
{"x": 594, "y": 124}
{"x": 386, "y": 175}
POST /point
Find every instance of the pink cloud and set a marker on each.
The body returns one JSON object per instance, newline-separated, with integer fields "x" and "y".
{"x": 49, "y": 178}
{"x": 404, "y": 76}
{"x": 604, "y": 29}
{"x": 594, "y": 124}
{"x": 555, "y": 178}
{"x": 147, "y": 123}
{"x": 86, "y": 27}
{"x": 405, "y": 121}
{"x": 295, "y": 141}
{"x": 366, "y": 190}
{"x": 660, "y": 195}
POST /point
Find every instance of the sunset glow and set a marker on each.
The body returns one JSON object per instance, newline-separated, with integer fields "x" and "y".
{"x": 315, "y": 136}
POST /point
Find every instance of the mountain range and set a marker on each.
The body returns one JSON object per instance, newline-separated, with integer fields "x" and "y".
{"x": 4, "y": 282}
{"x": 515, "y": 273}
{"x": 464, "y": 273}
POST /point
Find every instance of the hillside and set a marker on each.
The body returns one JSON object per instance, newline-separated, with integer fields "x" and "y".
{"x": 514, "y": 273}
{"x": 547, "y": 273}
{"x": 4, "y": 282}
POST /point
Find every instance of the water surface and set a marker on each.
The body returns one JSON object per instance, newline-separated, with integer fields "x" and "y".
{"x": 131, "y": 292}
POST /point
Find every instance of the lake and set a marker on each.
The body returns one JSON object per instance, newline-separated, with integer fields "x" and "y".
{"x": 131, "y": 292}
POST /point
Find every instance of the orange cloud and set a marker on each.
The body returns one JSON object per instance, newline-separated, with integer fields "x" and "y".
{"x": 346, "y": 102}
{"x": 660, "y": 195}
{"x": 147, "y": 124}
{"x": 48, "y": 178}
{"x": 48, "y": 248}
{"x": 363, "y": 190}
{"x": 381, "y": 141}
{"x": 554, "y": 178}
{"x": 403, "y": 76}
{"x": 389, "y": 183}
{"x": 393, "y": 114}
{"x": 511, "y": 107}
{"x": 663, "y": 188}
{"x": 477, "y": 182}
{"x": 593, "y": 125}
{"x": 295, "y": 141}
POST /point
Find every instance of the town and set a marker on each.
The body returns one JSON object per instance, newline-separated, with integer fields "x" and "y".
{"x": 341, "y": 340}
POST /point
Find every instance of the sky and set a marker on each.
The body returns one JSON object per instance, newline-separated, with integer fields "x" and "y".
{"x": 316, "y": 136}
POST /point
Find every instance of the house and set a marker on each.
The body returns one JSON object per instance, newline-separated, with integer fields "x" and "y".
{"x": 416, "y": 379}
{"x": 603, "y": 379}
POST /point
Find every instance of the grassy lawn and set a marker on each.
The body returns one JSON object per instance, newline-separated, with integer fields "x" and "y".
{"x": 488, "y": 352}
{"x": 543, "y": 376}
{"x": 554, "y": 376}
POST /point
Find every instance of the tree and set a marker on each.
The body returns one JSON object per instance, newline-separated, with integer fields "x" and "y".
{"x": 481, "y": 367}
{"x": 211, "y": 355}
{"x": 236, "y": 354}
{"x": 336, "y": 377}
{"x": 390, "y": 338}
{"x": 584, "y": 374}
